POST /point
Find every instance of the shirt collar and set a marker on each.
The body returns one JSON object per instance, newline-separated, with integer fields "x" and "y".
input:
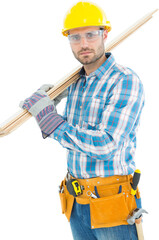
{"x": 105, "y": 67}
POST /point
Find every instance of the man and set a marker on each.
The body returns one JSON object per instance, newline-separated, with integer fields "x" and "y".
{"x": 98, "y": 129}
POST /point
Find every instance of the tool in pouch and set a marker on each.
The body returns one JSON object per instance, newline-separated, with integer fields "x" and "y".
{"x": 74, "y": 187}
{"x": 61, "y": 189}
{"x": 135, "y": 182}
{"x": 96, "y": 195}
{"x": 136, "y": 215}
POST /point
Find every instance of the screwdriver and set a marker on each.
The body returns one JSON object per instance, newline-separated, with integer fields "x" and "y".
{"x": 135, "y": 182}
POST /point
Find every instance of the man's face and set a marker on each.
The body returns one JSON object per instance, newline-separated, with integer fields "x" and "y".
{"x": 86, "y": 51}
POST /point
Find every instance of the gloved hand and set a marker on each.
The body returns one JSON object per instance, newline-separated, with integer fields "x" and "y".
{"x": 57, "y": 100}
{"x": 37, "y": 102}
{"x": 44, "y": 110}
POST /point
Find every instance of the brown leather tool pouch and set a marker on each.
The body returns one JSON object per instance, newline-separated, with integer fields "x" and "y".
{"x": 67, "y": 200}
{"x": 113, "y": 205}
{"x": 112, "y": 208}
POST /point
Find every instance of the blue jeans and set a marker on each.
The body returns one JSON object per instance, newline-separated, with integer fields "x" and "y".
{"x": 81, "y": 227}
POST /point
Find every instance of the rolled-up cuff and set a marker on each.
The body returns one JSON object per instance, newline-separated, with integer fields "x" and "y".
{"x": 49, "y": 123}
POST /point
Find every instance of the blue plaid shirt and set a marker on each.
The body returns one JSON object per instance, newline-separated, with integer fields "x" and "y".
{"x": 101, "y": 120}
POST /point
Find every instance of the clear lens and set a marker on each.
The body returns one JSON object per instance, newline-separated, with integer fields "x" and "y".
{"x": 89, "y": 36}
{"x": 74, "y": 37}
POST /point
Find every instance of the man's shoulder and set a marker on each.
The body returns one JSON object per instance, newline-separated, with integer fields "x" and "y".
{"x": 126, "y": 78}
{"x": 124, "y": 71}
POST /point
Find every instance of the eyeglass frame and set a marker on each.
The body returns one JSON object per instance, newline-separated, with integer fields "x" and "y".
{"x": 100, "y": 32}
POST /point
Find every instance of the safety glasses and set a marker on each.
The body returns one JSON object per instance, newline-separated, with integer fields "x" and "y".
{"x": 89, "y": 36}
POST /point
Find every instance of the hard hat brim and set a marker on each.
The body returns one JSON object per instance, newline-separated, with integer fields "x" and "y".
{"x": 108, "y": 27}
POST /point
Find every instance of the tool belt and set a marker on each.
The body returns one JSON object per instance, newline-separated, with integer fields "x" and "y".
{"x": 110, "y": 199}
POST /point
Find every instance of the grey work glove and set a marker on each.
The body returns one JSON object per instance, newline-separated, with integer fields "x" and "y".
{"x": 57, "y": 100}
{"x": 43, "y": 109}
{"x": 37, "y": 102}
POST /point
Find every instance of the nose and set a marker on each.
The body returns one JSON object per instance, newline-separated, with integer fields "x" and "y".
{"x": 84, "y": 42}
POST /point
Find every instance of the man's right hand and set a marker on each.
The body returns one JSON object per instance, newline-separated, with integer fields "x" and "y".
{"x": 57, "y": 100}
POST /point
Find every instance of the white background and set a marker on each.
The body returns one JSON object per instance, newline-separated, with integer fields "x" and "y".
{"x": 33, "y": 52}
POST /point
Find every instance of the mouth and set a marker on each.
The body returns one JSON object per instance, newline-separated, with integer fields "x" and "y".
{"x": 85, "y": 53}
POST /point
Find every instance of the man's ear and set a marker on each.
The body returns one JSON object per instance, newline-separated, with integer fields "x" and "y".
{"x": 105, "y": 34}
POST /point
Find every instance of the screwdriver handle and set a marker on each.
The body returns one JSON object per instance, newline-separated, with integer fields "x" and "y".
{"x": 135, "y": 182}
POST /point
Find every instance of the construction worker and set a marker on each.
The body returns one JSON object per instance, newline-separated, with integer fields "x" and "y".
{"x": 98, "y": 129}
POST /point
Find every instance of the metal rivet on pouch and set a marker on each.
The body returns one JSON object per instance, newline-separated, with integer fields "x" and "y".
{"x": 98, "y": 182}
{"x": 92, "y": 226}
{"x": 117, "y": 179}
{"x": 123, "y": 193}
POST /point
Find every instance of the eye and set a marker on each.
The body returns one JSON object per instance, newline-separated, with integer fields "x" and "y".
{"x": 90, "y": 34}
{"x": 75, "y": 37}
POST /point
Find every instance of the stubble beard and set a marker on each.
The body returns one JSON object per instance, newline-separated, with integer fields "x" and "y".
{"x": 87, "y": 59}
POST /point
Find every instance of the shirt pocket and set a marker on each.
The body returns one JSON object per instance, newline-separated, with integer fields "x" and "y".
{"x": 92, "y": 112}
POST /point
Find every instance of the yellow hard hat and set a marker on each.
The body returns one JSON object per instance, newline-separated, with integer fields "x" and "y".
{"x": 84, "y": 14}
